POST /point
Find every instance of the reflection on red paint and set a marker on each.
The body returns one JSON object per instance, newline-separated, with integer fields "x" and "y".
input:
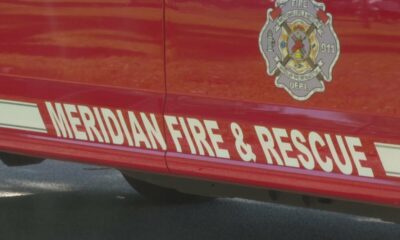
{"x": 112, "y": 43}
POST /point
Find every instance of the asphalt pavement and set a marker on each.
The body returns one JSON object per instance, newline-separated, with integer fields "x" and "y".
{"x": 59, "y": 200}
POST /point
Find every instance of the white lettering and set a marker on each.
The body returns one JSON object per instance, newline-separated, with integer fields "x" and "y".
{"x": 216, "y": 139}
{"x": 101, "y": 124}
{"x": 285, "y": 147}
{"x": 357, "y": 156}
{"x": 314, "y": 139}
{"x": 346, "y": 167}
{"x": 187, "y": 135}
{"x": 153, "y": 131}
{"x": 300, "y": 3}
{"x": 267, "y": 143}
{"x": 90, "y": 124}
{"x": 125, "y": 128}
{"x": 298, "y": 141}
{"x": 137, "y": 131}
{"x": 113, "y": 126}
{"x": 175, "y": 134}
{"x": 75, "y": 122}
{"x": 59, "y": 120}
{"x": 200, "y": 137}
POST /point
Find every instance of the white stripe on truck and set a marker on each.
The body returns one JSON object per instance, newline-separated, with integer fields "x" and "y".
{"x": 22, "y": 116}
{"x": 390, "y": 158}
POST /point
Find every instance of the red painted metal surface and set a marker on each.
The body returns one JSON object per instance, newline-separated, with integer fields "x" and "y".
{"x": 215, "y": 71}
{"x": 94, "y": 53}
{"x": 110, "y": 54}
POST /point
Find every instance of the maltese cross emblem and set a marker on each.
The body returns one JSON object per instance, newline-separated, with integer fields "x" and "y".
{"x": 300, "y": 46}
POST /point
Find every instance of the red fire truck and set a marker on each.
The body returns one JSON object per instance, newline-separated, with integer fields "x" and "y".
{"x": 288, "y": 101}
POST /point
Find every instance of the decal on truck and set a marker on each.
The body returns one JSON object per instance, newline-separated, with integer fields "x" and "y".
{"x": 390, "y": 157}
{"x": 282, "y": 147}
{"x": 300, "y": 46}
{"x": 21, "y": 115}
{"x": 104, "y": 125}
{"x": 205, "y": 138}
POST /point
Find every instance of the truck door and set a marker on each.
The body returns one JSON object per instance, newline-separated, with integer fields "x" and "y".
{"x": 83, "y": 79}
{"x": 295, "y": 95}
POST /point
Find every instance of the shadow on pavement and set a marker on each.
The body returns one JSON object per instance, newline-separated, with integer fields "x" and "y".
{"x": 79, "y": 215}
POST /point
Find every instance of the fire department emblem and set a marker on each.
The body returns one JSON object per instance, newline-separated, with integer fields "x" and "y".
{"x": 300, "y": 46}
